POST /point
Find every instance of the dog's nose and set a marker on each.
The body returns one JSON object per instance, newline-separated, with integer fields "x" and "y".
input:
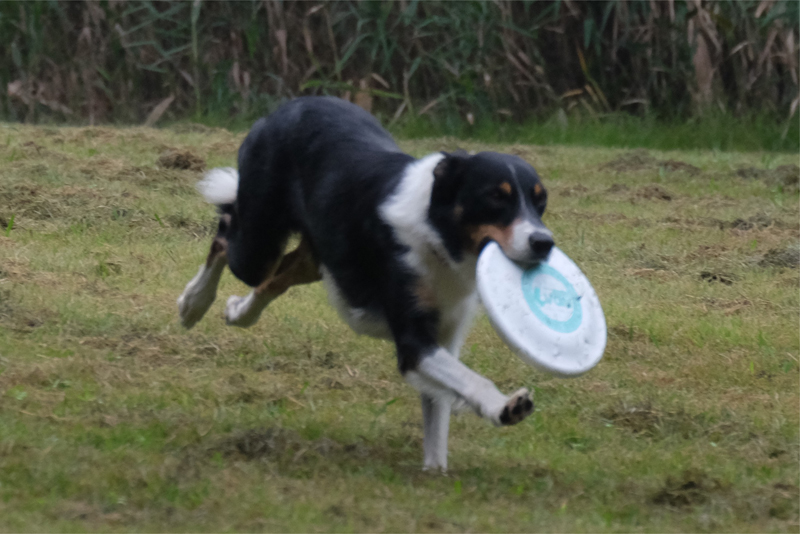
{"x": 540, "y": 243}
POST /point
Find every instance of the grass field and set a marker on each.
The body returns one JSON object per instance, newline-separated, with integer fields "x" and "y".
{"x": 114, "y": 418}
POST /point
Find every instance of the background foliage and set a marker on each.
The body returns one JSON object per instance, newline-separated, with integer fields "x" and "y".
{"x": 127, "y": 61}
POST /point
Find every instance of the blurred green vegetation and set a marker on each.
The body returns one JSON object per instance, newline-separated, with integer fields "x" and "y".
{"x": 721, "y": 74}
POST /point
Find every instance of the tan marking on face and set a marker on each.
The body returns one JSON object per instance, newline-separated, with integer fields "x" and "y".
{"x": 501, "y": 234}
{"x": 537, "y": 189}
{"x": 458, "y": 211}
{"x": 506, "y": 188}
{"x": 426, "y": 298}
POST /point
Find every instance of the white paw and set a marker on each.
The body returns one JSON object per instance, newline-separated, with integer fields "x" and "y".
{"x": 435, "y": 469}
{"x": 192, "y": 306}
{"x": 240, "y": 312}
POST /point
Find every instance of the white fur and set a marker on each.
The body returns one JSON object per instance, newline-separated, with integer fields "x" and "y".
{"x": 200, "y": 292}
{"x": 219, "y": 186}
{"x": 441, "y": 378}
{"x": 436, "y": 426}
{"x": 519, "y": 248}
{"x": 453, "y": 283}
{"x": 359, "y": 320}
{"x": 245, "y": 311}
{"x": 406, "y": 210}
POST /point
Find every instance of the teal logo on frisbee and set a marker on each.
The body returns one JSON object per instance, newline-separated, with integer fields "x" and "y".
{"x": 552, "y": 299}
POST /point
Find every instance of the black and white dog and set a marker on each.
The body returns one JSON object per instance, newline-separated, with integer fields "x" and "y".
{"x": 394, "y": 239}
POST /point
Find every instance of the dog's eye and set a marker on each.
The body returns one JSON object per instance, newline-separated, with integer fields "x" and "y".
{"x": 539, "y": 199}
{"x": 540, "y": 205}
{"x": 500, "y": 194}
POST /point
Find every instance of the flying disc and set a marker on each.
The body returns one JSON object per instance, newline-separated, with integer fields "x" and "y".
{"x": 549, "y": 314}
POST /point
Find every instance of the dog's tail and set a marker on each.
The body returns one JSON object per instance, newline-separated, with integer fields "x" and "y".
{"x": 219, "y": 187}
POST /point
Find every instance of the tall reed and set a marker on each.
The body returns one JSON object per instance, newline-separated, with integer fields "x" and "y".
{"x": 94, "y": 61}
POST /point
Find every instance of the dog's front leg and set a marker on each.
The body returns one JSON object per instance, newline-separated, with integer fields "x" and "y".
{"x": 436, "y": 424}
{"x": 439, "y": 368}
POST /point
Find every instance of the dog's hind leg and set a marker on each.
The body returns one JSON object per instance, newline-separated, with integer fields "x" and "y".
{"x": 201, "y": 290}
{"x": 297, "y": 267}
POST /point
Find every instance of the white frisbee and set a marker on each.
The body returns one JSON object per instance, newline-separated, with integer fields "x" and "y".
{"x": 549, "y": 315}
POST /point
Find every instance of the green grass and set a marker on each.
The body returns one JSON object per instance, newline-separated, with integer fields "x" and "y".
{"x": 113, "y": 418}
{"x": 715, "y": 131}
{"x": 752, "y": 132}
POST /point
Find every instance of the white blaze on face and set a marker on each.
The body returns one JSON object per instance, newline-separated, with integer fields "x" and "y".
{"x": 518, "y": 248}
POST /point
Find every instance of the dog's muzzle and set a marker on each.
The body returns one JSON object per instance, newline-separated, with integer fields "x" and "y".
{"x": 541, "y": 243}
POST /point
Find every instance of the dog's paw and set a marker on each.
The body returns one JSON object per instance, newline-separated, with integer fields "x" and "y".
{"x": 436, "y": 470}
{"x": 193, "y": 306}
{"x": 518, "y": 407}
{"x": 239, "y": 311}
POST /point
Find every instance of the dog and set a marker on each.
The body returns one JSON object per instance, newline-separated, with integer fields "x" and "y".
{"x": 394, "y": 239}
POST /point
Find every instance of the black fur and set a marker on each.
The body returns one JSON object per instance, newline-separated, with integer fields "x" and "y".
{"x": 322, "y": 167}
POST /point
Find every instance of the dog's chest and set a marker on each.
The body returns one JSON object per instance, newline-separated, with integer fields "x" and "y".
{"x": 451, "y": 293}
{"x": 454, "y": 296}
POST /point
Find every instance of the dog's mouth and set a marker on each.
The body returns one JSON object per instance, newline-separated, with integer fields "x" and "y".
{"x": 525, "y": 261}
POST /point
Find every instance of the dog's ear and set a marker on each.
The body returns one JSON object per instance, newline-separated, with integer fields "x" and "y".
{"x": 447, "y": 177}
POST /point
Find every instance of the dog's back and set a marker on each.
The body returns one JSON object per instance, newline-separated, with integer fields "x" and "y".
{"x": 300, "y": 170}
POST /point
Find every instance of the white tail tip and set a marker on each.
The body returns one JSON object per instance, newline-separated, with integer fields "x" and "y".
{"x": 219, "y": 185}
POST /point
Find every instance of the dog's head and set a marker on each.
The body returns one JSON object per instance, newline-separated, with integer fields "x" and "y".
{"x": 490, "y": 197}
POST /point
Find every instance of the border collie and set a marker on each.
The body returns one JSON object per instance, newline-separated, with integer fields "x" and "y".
{"x": 394, "y": 239}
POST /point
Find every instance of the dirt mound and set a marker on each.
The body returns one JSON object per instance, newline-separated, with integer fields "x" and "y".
{"x": 276, "y": 443}
{"x": 759, "y": 220}
{"x": 631, "y": 161}
{"x": 647, "y": 421}
{"x": 638, "y": 419}
{"x": 617, "y": 188}
{"x": 640, "y": 160}
{"x": 782, "y": 257}
{"x": 787, "y": 176}
{"x": 181, "y": 159}
{"x": 710, "y": 277}
{"x": 573, "y": 190}
{"x": 192, "y": 127}
{"x": 672, "y": 165}
{"x": 653, "y": 192}
{"x": 692, "y": 488}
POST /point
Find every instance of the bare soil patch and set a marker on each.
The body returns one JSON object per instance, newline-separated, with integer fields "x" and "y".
{"x": 646, "y": 420}
{"x": 573, "y": 190}
{"x": 653, "y": 192}
{"x": 691, "y": 488}
{"x": 672, "y": 165}
{"x": 641, "y": 160}
{"x": 283, "y": 444}
{"x": 782, "y": 257}
{"x": 711, "y": 277}
{"x": 617, "y": 188}
{"x": 181, "y": 159}
{"x": 759, "y": 220}
{"x": 785, "y": 175}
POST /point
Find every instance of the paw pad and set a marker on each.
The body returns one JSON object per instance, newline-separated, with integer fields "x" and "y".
{"x": 517, "y": 408}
